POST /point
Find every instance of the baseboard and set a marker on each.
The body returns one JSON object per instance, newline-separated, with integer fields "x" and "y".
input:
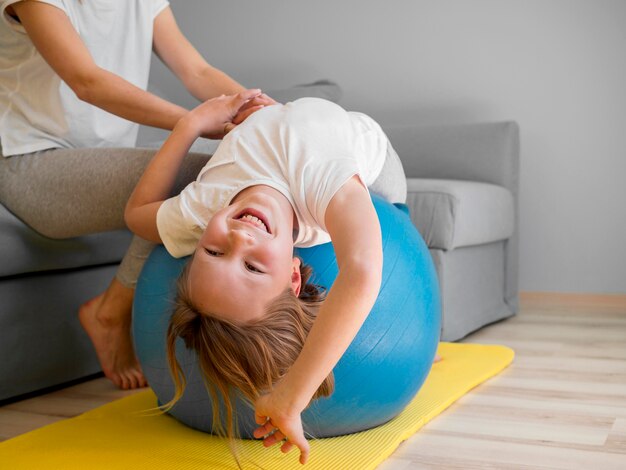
{"x": 605, "y": 302}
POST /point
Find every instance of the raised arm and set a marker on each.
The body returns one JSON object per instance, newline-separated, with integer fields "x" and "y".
{"x": 355, "y": 232}
{"x": 214, "y": 118}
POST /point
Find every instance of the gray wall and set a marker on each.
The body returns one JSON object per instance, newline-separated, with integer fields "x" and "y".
{"x": 556, "y": 67}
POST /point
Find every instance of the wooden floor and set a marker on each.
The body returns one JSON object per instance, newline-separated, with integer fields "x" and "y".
{"x": 561, "y": 404}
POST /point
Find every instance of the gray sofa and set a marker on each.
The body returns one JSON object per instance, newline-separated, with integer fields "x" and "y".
{"x": 463, "y": 183}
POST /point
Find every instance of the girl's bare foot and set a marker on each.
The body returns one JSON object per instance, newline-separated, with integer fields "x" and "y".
{"x": 107, "y": 320}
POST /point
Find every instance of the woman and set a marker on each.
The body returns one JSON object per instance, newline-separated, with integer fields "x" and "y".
{"x": 73, "y": 79}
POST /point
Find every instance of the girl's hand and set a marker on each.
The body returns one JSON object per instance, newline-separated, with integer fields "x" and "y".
{"x": 214, "y": 118}
{"x": 278, "y": 426}
{"x": 253, "y": 105}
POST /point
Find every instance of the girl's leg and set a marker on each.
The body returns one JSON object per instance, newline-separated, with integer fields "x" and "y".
{"x": 64, "y": 193}
{"x": 391, "y": 183}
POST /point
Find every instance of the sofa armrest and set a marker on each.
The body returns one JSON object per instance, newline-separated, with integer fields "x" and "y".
{"x": 485, "y": 152}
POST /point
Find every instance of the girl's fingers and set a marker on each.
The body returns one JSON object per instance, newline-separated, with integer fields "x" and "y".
{"x": 264, "y": 430}
{"x": 301, "y": 443}
{"x": 286, "y": 447}
{"x": 267, "y": 100}
{"x": 243, "y": 115}
{"x": 243, "y": 97}
{"x": 260, "y": 419}
{"x": 273, "y": 439}
{"x": 229, "y": 126}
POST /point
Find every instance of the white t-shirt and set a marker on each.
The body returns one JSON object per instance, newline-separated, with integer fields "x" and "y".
{"x": 38, "y": 111}
{"x": 307, "y": 149}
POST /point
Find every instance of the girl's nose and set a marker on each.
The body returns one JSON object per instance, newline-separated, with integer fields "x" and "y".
{"x": 241, "y": 237}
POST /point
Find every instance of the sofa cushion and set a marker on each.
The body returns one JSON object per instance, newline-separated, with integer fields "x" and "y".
{"x": 22, "y": 250}
{"x": 452, "y": 213}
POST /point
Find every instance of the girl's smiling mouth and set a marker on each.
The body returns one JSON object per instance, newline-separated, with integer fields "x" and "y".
{"x": 255, "y": 218}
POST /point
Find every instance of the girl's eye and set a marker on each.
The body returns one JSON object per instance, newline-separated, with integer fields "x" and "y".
{"x": 212, "y": 253}
{"x": 251, "y": 268}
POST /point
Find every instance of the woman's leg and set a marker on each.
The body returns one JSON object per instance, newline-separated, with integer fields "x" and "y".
{"x": 64, "y": 193}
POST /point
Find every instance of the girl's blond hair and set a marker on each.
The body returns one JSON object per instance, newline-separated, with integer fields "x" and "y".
{"x": 249, "y": 358}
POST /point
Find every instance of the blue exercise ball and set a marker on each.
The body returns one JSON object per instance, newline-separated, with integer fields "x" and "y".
{"x": 379, "y": 374}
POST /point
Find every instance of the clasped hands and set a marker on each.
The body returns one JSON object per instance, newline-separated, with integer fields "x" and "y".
{"x": 216, "y": 117}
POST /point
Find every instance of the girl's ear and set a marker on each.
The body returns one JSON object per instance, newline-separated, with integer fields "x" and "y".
{"x": 296, "y": 278}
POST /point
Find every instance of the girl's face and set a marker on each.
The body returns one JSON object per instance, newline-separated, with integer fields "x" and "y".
{"x": 245, "y": 256}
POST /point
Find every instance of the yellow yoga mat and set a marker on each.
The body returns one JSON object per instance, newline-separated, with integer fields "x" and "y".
{"x": 119, "y": 436}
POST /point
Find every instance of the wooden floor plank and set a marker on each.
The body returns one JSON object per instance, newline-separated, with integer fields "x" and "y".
{"x": 472, "y": 451}
{"x": 14, "y": 423}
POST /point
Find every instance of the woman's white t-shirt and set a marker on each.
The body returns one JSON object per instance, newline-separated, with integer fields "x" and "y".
{"x": 38, "y": 111}
{"x": 307, "y": 149}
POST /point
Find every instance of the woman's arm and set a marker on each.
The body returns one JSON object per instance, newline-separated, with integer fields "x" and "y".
{"x": 214, "y": 118}
{"x": 59, "y": 44}
{"x": 355, "y": 232}
{"x": 201, "y": 79}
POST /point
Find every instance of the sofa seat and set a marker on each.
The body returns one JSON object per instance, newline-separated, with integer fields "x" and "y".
{"x": 452, "y": 214}
{"x": 22, "y": 250}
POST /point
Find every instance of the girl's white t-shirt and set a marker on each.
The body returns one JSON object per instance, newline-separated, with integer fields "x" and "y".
{"x": 307, "y": 149}
{"x": 38, "y": 111}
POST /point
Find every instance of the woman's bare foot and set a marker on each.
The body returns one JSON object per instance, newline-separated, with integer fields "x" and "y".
{"x": 107, "y": 320}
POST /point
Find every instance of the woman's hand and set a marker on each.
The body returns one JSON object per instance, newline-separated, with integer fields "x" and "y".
{"x": 278, "y": 425}
{"x": 215, "y": 117}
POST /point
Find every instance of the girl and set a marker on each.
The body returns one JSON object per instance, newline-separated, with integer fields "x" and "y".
{"x": 290, "y": 175}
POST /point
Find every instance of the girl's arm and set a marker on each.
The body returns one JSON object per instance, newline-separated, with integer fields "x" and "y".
{"x": 355, "y": 232}
{"x": 213, "y": 117}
